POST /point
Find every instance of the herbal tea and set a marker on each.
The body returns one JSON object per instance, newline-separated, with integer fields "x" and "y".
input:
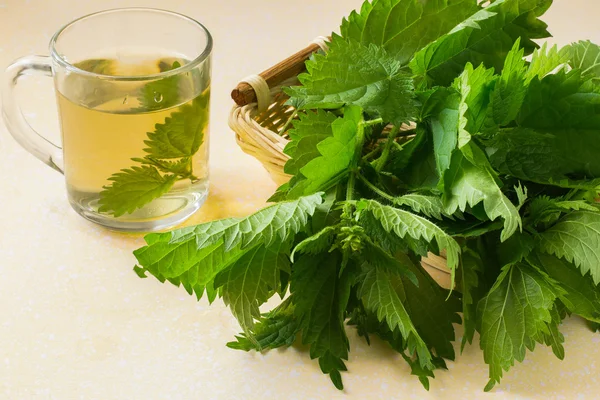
{"x": 135, "y": 152}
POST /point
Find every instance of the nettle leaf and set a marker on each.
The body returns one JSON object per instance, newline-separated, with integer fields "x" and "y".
{"x": 552, "y": 158}
{"x": 432, "y": 310}
{"x": 561, "y": 100}
{"x": 586, "y": 58}
{"x": 182, "y": 133}
{"x": 182, "y": 166}
{"x": 485, "y": 38}
{"x": 576, "y": 238}
{"x": 193, "y": 256}
{"x": 336, "y": 153}
{"x": 553, "y": 337}
{"x": 545, "y": 60}
{"x": 420, "y": 313}
{"x": 516, "y": 310}
{"x": 383, "y": 293}
{"x": 404, "y": 223}
{"x": 375, "y": 255}
{"x": 430, "y": 206}
{"x": 469, "y": 184}
{"x": 310, "y": 129}
{"x": 444, "y": 122}
{"x": 415, "y": 165}
{"x": 510, "y": 90}
{"x": 355, "y": 74}
{"x": 133, "y": 188}
{"x": 576, "y": 205}
{"x": 251, "y": 280}
{"x": 320, "y": 295}
{"x": 475, "y": 87}
{"x": 403, "y": 27}
{"x": 320, "y": 242}
{"x": 471, "y": 266}
{"x": 515, "y": 249}
{"x": 581, "y": 295}
{"x": 271, "y": 225}
{"x": 274, "y": 329}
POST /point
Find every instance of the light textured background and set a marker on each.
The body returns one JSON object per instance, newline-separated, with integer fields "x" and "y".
{"x": 77, "y": 323}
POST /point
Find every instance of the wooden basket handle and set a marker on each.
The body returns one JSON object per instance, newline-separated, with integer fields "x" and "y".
{"x": 292, "y": 66}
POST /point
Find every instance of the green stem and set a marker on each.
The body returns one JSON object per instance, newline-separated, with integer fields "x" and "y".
{"x": 287, "y": 124}
{"x": 367, "y": 156}
{"x": 360, "y": 139}
{"x": 388, "y": 147}
{"x": 375, "y": 189}
{"x": 371, "y": 122}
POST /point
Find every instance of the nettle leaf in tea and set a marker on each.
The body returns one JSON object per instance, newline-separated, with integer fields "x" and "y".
{"x": 168, "y": 154}
{"x": 424, "y": 129}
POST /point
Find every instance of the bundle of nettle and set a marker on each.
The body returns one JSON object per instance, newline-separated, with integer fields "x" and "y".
{"x": 425, "y": 128}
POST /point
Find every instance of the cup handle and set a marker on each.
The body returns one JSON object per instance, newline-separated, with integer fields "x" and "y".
{"x": 16, "y": 123}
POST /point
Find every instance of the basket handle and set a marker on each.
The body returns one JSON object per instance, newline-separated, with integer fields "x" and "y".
{"x": 245, "y": 94}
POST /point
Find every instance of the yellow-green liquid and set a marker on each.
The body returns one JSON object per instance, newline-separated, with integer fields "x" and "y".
{"x": 100, "y": 138}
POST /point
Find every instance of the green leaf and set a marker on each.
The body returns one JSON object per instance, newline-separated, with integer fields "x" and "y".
{"x": 310, "y": 129}
{"x": 576, "y": 238}
{"x": 586, "y": 57}
{"x": 367, "y": 323}
{"x": 548, "y": 157}
{"x": 515, "y": 249}
{"x": 373, "y": 254}
{"x": 275, "y": 329}
{"x": 546, "y": 60}
{"x": 510, "y": 90}
{"x": 195, "y": 255}
{"x": 320, "y": 242}
{"x": 320, "y": 294}
{"x": 553, "y": 337}
{"x": 404, "y": 223}
{"x": 337, "y": 152}
{"x": 133, "y": 188}
{"x": 383, "y": 293}
{"x": 180, "y": 167}
{"x": 581, "y": 296}
{"x": 421, "y": 313}
{"x": 559, "y": 101}
{"x": 576, "y": 205}
{"x": 484, "y": 38}
{"x": 475, "y": 88}
{"x": 182, "y": 133}
{"x": 432, "y": 310}
{"x": 403, "y": 27}
{"x": 471, "y": 266}
{"x": 444, "y": 128}
{"x": 415, "y": 164}
{"x": 546, "y": 210}
{"x": 356, "y": 74}
{"x": 271, "y": 225}
{"x": 516, "y": 310}
{"x": 468, "y": 184}
{"x": 430, "y": 206}
{"x": 251, "y": 280}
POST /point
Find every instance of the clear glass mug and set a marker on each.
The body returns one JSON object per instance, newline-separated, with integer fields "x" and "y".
{"x": 133, "y": 91}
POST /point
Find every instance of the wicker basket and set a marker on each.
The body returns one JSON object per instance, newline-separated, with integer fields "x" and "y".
{"x": 258, "y": 127}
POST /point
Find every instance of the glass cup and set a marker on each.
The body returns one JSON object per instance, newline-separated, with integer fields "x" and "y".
{"x": 133, "y": 91}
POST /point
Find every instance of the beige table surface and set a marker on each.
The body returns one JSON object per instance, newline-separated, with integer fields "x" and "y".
{"x": 77, "y": 323}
